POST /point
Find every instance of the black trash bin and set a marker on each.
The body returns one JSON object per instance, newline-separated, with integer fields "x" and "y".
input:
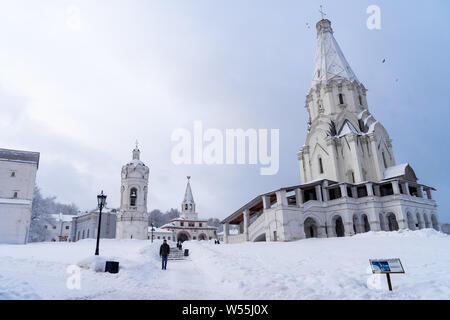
{"x": 186, "y": 252}
{"x": 112, "y": 266}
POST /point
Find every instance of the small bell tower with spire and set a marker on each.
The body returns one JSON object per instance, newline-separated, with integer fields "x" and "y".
{"x": 188, "y": 204}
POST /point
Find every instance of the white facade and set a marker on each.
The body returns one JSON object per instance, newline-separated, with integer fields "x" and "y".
{"x": 132, "y": 219}
{"x": 189, "y": 226}
{"x": 351, "y": 183}
{"x": 160, "y": 234}
{"x": 85, "y": 225}
{"x": 17, "y": 180}
{"x": 59, "y": 228}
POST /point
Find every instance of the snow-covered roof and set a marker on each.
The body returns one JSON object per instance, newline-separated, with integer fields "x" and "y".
{"x": 330, "y": 63}
{"x": 347, "y": 128}
{"x": 155, "y": 229}
{"x": 20, "y": 156}
{"x": 403, "y": 169}
{"x": 62, "y": 217}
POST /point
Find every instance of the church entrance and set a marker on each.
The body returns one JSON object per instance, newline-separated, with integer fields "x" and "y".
{"x": 339, "y": 226}
{"x": 182, "y": 237}
{"x": 202, "y": 237}
{"x": 366, "y": 223}
{"x": 310, "y": 228}
{"x": 392, "y": 222}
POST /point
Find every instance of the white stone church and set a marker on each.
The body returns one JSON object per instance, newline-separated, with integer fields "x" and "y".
{"x": 188, "y": 226}
{"x": 351, "y": 182}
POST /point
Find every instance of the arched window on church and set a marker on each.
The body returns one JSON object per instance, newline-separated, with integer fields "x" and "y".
{"x": 360, "y": 100}
{"x": 133, "y": 197}
{"x": 384, "y": 160}
{"x": 341, "y": 98}
{"x": 320, "y": 166}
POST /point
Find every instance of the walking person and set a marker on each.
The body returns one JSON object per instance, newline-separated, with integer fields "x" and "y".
{"x": 164, "y": 252}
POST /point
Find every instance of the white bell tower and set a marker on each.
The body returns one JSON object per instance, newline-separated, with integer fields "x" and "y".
{"x": 188, "y": 204}
{"x": 132, "y": 219}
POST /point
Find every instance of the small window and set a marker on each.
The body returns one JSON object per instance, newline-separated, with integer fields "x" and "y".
{"x": 318, "y": 73}
{"x": 87, "y": 234}
{"x": 54, "y": 227}
{"x": 191, "y": 224}
{"x": 353, "y": 177}
{"x": 67, "y": 227}
{"x": 45, "y": 226}
{"x": 182, "y": 223}
{"x": 341, "y": 98}
{"x": 200, "y": 224}
{"x": 159, "y": 237}
{"x": 15, "y": 195}
{"x": 185, "y": 207}
{"x": 320, "y": 166}
{"x": 168, "y": 238}
{"x": 360, "y": 100}
{"x": 13, "y": 174}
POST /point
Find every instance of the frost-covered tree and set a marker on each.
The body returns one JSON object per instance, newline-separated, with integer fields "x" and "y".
{"x": 41, "y": 211}
{"x": 214, "y": 222}
{"x": 158, "y": 218}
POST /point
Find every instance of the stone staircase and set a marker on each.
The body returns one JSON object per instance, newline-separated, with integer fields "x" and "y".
{"x": 176, "y": 254}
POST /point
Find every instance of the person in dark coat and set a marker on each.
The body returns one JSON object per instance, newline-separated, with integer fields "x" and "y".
{"x": 164, "y": 252}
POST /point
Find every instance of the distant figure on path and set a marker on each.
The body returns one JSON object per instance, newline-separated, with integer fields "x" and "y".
{"x": 164, "y": 251}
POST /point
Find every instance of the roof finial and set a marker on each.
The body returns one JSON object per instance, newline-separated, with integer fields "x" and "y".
{"x": 189, "y": 177}
{"x": 137, "y": 144}
{"x": 321, "y": 12}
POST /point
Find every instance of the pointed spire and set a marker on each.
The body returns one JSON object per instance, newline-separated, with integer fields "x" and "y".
{"x": 188, "y": 197}
{"x": 330, "y": 63}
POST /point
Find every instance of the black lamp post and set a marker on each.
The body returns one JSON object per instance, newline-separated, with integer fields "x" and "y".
{"x": 153, "y": 229}
{"x": 101, "y": 203}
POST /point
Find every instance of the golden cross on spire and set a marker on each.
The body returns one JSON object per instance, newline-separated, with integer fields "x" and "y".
{"x": 321, "y": 12}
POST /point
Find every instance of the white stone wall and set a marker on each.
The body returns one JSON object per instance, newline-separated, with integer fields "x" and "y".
{"x": 16, "y": 194}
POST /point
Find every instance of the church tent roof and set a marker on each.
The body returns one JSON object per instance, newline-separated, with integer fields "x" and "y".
{"x": 330, "y": 63}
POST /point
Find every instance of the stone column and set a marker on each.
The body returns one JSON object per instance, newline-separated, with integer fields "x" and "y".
{"x": 354, "y": 193}
{"x": 331, "y": 232}
{"x": 395, "y": 187}
{"x": 420, "y": 191}
{"x": 326, "y": 193}
{"x": 299, "y": 196}
{"x": 302, "y": 234}
{"x": 281, "y": 198}
{"x": 266, "y": 202}
{"x": 343, "y": 190}
{"x": 377, "y": 190}
{"x": 319, "y": 193}
{"x": 246, "y": 223}
{"x": 226, "y": 232}
{"x": 369, "y": 189}
{"x": 348, "y": 225}
{"x": 406, "y": 191}
{"x": 429, "y": 194}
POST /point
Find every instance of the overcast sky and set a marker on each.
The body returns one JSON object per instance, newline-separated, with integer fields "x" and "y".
{"x": 81, "y": 91}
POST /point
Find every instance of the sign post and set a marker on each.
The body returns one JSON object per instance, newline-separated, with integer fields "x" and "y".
{"x": 387, "y": 266}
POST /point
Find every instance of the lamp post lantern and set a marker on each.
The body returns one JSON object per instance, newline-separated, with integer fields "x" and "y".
{"x": 101, "y": 203}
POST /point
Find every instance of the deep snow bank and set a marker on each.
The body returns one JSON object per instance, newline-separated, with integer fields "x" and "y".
{"x": 335, "y": 268}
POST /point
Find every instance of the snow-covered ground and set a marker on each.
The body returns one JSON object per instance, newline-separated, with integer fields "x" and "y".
{"x": 336, "y": 268}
